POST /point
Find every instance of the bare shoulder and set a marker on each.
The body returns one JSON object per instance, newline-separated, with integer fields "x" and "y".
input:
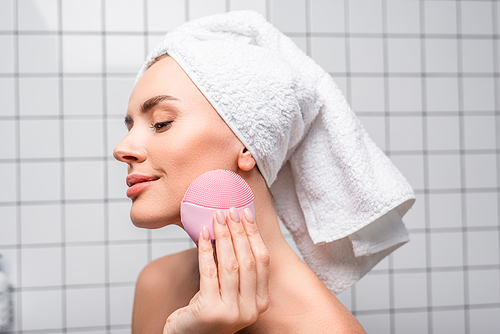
{"x": 163, "y": 286}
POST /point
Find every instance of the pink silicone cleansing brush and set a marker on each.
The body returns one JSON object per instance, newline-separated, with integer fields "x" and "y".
{"x": 215, "y": 190}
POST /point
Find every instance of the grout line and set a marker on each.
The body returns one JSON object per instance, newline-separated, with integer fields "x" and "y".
{"x": 428, "y": 248}
{"x": 107, "y": 296}
{"x": 463, "y": 181}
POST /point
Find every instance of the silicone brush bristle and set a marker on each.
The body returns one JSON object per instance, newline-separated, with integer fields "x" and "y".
{"x": 219, "y": 189}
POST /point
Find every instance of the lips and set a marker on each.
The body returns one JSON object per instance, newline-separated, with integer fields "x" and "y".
{"x": 137, "y": 183}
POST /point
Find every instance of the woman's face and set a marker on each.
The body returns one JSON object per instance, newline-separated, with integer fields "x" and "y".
{"x": 174, "y": 136}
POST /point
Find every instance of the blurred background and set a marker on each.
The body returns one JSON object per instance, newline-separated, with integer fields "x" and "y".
{"x": 423, "y": 77}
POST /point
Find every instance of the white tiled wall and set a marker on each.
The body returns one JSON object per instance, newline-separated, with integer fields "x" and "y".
{"x": 423, "y": 77}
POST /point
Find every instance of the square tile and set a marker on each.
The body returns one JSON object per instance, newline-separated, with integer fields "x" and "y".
{"x": 476, "y": 17}
{"x": 365, "y": 16}
{"x": 484, "y": 320}
{"x": 76, "y": 47}
{"x": 482, "y": 209}
{"x": 81, "y": 15}
{"x": 76, "y": 104}
{"x": 366, "y": 55}
{"x": 38, "y": 96}
{"x": 442, "y": 94}
{"x": 367, "y": 94}
{"x": 446, "y": 249}
{"x": 78, "y": 142}
{"x": 443, "y": 132}
{"x": 375, "y": 323}
{"x": 117, "y": 94}
{"x": 403, "y": 17}
{"x": 126, "y": 262}
{"x": 375, "y": 126}
{"x": 7, "y": 54}
{"x": 411, "y": 255}
{"x": 85, "y": 265}
{"x": 10, "y": 266}
{"x": 405, "y": 94}
{"x": 36, "y": 188}
{"x": 84, "y": 222}
{"x": 117, "y": 173}
{"x": 444, "y": 210}
{"x": 412, "y": 167}
{"x": 6, "y": 14}
{"x": 7, "y": 96}
{"x": 160, "y": 249}
{"x": 415, "y": 217}
{"x": 440, "y": 17}
{"x": 478, "y": 94}
{"x": 448, "y": 321}
{"x": 8, "y": 184}
{"x": 124, "y": 54}
{"x": 480, "y": 170}
{"x": 200, "y": 8}
{"x": 120, "y": 226}
{"x": 345, "y": 297}
{"x": 39, "y": 139}
{"x": 329, "y": 53}
{"x": 404, "y": 55}
{"x": 288, "y": 15}
{"x": 406, "y": 133}
{"x": 41, "y": 267}
{"x": 124, "y": 15}
{"x": 477, "y": 56}
{"x": 84, "y": 180}
{"x": 444, "y": 171}
{"x": 482, "y": 248}
{"x": 46, "y": 60}
{"x": 8, "y": 226}
{"x": 121, "y": 302}
{"x": 447, "y": 288}
{"x": 38, "y": 15}
{"x": 410, "y": 290}
{"x": 483, "y": 287}
{"x": 479, "y": 132}
{"x": 372, "y": 292}
{"x": 41, "y": 310}
{"x": 411, "y": 323}
{"x": 441, "y": 55}
{"x": 164, "y": 16}
{"x": 8, "y": 135}
{"x": 85, "y": 307}
{"x": 327, "y": 16}
{"x": 40, "y": 224}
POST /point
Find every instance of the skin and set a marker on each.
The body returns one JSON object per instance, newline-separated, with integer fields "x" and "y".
{"x": 258, "y": 284}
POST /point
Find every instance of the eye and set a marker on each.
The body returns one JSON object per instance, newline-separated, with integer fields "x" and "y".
{"x": 161, "y": 126}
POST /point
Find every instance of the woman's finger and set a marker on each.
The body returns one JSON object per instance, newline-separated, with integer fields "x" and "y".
{"x": 244, "y": 255}
{"x": 261, "y": 255}
{"x": 228, "y": 267}
{"x": 209, "y": 283}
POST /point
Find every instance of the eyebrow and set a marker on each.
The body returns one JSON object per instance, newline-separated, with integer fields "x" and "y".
{"x": 149, "y": 104}
{"x": 152, "y": 102}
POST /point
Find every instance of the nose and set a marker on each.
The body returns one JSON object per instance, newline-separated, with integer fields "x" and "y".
{"x": 129, "y": 151}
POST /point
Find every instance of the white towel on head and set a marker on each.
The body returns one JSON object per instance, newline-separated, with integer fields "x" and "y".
{"x": 341, "y": 198}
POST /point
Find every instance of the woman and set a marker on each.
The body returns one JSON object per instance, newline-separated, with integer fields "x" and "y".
{"x": 181, "y": 126}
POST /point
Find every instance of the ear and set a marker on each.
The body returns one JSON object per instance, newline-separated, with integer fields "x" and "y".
{"x": 245, "y": 160}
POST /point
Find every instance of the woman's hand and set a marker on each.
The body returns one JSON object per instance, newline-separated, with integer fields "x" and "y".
{"x": 234, "y": 292}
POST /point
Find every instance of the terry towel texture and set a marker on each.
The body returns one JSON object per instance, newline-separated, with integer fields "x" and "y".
{"x": 340, "y": 197}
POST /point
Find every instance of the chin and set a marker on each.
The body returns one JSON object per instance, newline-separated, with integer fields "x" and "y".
{"x": 152, "y": 219}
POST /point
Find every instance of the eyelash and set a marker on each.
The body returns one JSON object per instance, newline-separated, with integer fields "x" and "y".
{"x": 158, "y": 126}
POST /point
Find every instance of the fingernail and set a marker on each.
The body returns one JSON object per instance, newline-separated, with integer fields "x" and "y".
{"x": 249, "y": 215}
{"x": 234, "y": 215}
{"x": 206, "y": 234}
{"x": 221, "y": 217}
